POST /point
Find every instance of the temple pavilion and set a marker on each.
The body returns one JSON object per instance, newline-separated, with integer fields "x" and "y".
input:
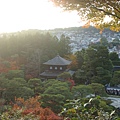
{"x": 55, "y": 67}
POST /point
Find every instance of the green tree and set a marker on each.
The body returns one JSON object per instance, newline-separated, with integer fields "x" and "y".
{"x": 55, "y": 95}
{"x": 64, "y": 76}
{"x": 95, "y": 11}
{"x": 59, "y": 88}
{"x": 98, "y": 89}
{"x": 80, "y": 77}
{"x": 15, "y": 88}
{"x": 21, "y": 81}
{"x": 116, "y": 78}
{"x": 63, "y": 46}
{"x": 94, "y": 58}
{"x": 3, "y": 85}
{"x": 15, "y": 74}
{"x": 36, "y": 85}
{"x": 103, "y": 58}
{"x": 80, "y": 57}
{"x": 74, "y": 63}
{"x": 81, "y": 91}
{"x": 114, "y": 58}
{"x": 104, "y": 41}
{"x": 103, "y": 76}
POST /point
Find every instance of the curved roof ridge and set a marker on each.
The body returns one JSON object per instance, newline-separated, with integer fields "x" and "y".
{"x": 57, "y": 61}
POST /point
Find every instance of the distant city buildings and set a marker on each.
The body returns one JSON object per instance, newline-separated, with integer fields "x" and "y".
{"x": 82, "y": 37}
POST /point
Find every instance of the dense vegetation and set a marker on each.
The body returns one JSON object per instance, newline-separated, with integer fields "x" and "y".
{"x": 28, "y": 50}
{"x": 21, "y": 58}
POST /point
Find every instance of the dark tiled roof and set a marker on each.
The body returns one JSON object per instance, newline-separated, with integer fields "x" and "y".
{"x": 55, "y": 73}
{"x": 57, "y": 61}
{"x": 50, "y": 74}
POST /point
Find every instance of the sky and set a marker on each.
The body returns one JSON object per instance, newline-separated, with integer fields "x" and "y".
{"x": 17, "y": 15}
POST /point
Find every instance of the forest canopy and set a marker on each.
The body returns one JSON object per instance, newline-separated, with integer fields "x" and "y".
{"x": 95, "y": 11}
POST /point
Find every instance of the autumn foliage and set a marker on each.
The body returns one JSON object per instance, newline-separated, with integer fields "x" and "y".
{"x": 6, "y": 65}
{"x": 74, "y": 63}
{"x": 33, "y": 107}
{"x": 72, "y": 83}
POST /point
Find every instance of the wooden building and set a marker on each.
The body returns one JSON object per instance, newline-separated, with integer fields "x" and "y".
{"x": 55, "y": 67}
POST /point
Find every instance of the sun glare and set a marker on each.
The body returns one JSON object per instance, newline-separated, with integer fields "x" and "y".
{"x": 17, "y": 15}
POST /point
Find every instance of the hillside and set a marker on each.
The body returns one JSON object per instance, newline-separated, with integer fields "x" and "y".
{"x": 82, "y": 37}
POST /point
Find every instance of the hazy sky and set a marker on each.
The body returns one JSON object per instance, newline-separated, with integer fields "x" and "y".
{"x": 17, "y": 15}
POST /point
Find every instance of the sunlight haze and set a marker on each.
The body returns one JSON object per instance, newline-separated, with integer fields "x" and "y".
{"x": 17, "y": 15}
